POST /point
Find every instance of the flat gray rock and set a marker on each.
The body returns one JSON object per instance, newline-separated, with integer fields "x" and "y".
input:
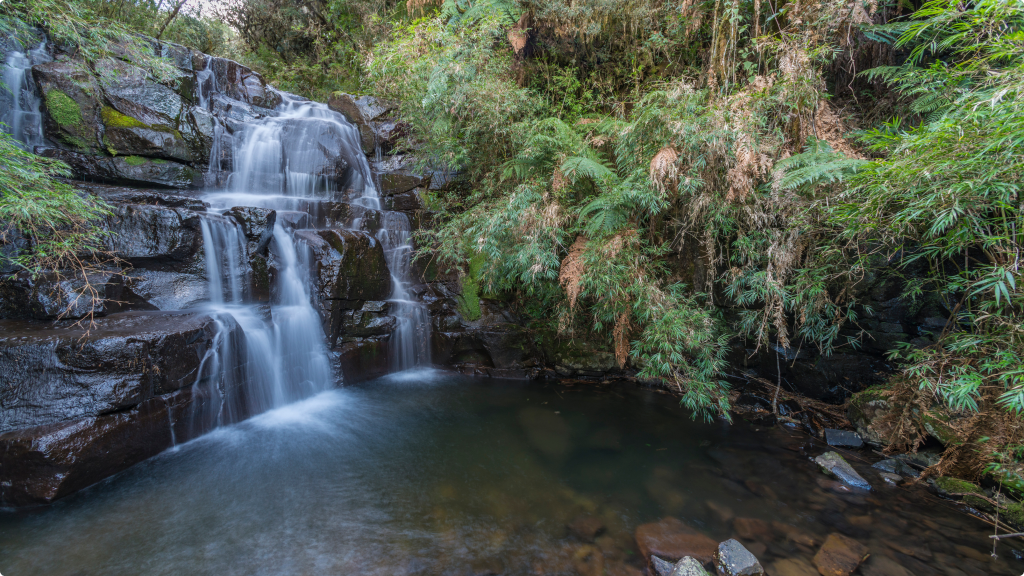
{"x": 843, "y": 438}
{"x": 896, "y": 466}
{"x": 835, "y": 465}
{"x": 733, "y": 559}
{"x": 662, "y": 567}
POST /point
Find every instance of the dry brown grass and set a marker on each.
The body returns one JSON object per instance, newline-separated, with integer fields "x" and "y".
{"x": 572, "y": 270}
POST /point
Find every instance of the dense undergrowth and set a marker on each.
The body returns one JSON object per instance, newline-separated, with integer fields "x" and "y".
{"x": 664, "y": 177}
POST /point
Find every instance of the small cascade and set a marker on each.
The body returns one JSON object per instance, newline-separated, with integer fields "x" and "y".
{"x": 19, "y": 102}
{"x": 255, "y": 363}
{"x": 410, "y": 344}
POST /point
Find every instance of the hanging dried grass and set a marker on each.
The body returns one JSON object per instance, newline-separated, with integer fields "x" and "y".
{"x": 558, "y": 180}
{"x": 663, "y": 167}
{"x": 620, "y": 334}
{"x": 571, "y": 271}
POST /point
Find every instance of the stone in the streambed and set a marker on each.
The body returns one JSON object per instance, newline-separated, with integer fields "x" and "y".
{"x": 733, "y": 559}
{"x": 257, "y": 223}
{"x": 894, "y": 479}
{"x": 896, "y": 466}
{"x": 792, "y": 567}
{"x": 752, "y": 529}
{"x": 409, "y": 201}
{"x": 662, "y": 567}
{"x": 840, "y": 555}
{"x": 672, "y": 540}
{"x": 586, "y": 527}
{"x": 835, "y": 465}
{"x": 547, "y": 431}
{"x": 843, "y": 438}
{"x": 55, "y": 373}
{"x": 689, "y": 567}
{"x": 44, "y": 463}
{"x": 147, "y": 235}
{"x": 880, "y": 565}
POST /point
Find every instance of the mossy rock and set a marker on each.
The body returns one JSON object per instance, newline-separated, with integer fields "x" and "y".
{"x": 937, "y": 425}
{"x": 1014, "y": 514}
{"x": 63, "y": 109}
{"x": 114, "y": 119}
{"x": 957, "y": 488}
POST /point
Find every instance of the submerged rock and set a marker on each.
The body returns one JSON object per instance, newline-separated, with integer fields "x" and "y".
{"x": 839, "y": 555}
{"x": 732, "y": 559}
{"x": 896, "y": 466}
{"x": 662, "y": 567}
{"x": 835, "y": 465}
{"x": 672, "y": 540}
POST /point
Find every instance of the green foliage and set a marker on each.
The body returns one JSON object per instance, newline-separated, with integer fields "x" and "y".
{"x": 47, "y": 224}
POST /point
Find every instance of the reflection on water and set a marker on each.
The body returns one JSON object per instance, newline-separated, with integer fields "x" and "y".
{"x": 428, "y": 473}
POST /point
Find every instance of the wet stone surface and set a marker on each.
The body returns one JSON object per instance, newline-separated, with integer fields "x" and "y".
{"x": 427, "y": 474}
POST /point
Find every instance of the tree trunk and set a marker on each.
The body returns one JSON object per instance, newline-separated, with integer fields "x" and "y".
{"x": 173, "y": 15}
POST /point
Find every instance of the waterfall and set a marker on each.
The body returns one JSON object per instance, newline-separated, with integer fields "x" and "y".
{"x": 19, "y": 102}
{"x": 256, "y": 363}
{"x": 410, "y": 344}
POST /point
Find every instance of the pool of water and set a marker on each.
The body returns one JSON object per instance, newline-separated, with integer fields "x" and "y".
{"x": 429, "y": 473}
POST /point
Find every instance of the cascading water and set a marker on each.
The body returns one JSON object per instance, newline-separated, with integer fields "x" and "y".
{"x": 301, "y": 155}
{"x": 19, "y": 103}
{"x": 410, "y": 344}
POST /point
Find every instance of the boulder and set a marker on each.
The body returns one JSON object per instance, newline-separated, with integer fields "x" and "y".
{"x": 72, "y": 105}
{"x": 348, "y": 269}
{"x": 868, "y": 411}
{"x": 672, "y": 540}
{"x": 362, "y": 111}
{"x": 835, "y": 465}
{"x": 57, "y": 373}
{"x": 839, "y": 556}
{"x": 843, "y": 438}
{"x": 586, "y": 527}
{"x": 732, "y": 559}
{"x": 44, "y": 463}
{"x": 662, "y": 567}
{"x": 128, "y": 195}
{"x": 362, "y": 360}
{"x": 154, "y": 235}
{"x": 241, "y": 83}
{"x": 397, "y": 175}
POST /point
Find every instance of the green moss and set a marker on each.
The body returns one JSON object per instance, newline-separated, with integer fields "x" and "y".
{"x": 134, "y": 160}
{"x": 1014, "y": 514}
{"x": 63, "y": 110}
{"x": 114, "y": 119}
{"x": 956, "y": 486}
{"x": 940, "y": 429}
{"x": 469, "y": 305}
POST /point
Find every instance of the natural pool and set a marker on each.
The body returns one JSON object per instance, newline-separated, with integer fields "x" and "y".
{"x": 428, "y": 473}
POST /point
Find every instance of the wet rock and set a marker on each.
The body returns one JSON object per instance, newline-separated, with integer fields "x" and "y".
{"x": 839, "y": 555}
{"x": 843, "y": 438}
{"x": 894, "y": 479}
{"x": 241, "y": 83}
{"x": 672, "y": 540}
{"x": 586, "y": 528}
{"x": 732, "y": 559}
{"x": 169, "y": 289}
{"x": 128, "y": 195}
{"x": 835, "y": 465}
{"x": 71, "y": 104}
{"x": 48, "y": 462}
{"x": 59, "y": 373}
{"x": 793, "y": 567}
{"x": 752, "y": 529}
{"x": 896, "y": 466}
{"x": 148, "y": 235}
{"x": 547, "y": 432}
{"x": 133, "y": 170}
{"x": 50, "y": 296}
{"x": 367, "y": 322}
{"x": 689, "y": 567}
{"x": 397, "y": 176}
{"x": 293, "y": 219}
{"x": 361, "y": 360}
{"x": 662, "y": 567}
{"x": 362, "y": 111}
{"x": 348, "y": 269}
{"x": 879, "y": 565}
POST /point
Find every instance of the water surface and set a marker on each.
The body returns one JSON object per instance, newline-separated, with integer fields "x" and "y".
{"x": 428, "y": 473}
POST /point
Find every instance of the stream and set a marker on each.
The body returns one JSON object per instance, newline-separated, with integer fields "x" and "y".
{"x": 425, "y": 472}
